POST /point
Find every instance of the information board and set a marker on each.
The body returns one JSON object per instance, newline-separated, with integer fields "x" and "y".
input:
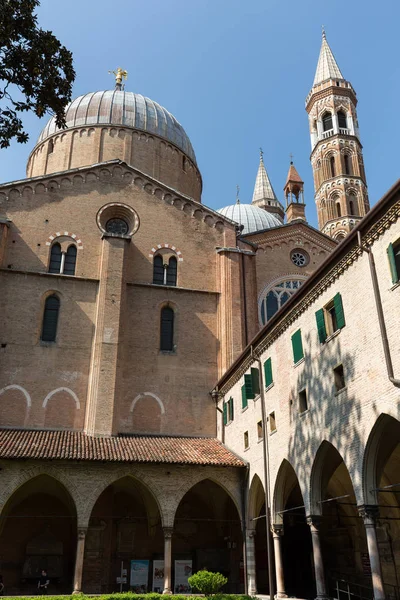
{"x": 139, "y": 576}
{"x": 183, "y": 570}
{"x": 158, "y": 576}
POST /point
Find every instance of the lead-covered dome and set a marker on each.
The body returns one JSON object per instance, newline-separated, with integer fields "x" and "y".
{"x": 117, "y": 107}
{"x": 251, "y": 217}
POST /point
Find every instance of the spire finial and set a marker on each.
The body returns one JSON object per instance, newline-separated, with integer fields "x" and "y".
{"x": 120, "y": 74}
{"x": 291, "y": 158}
{"x": 323, "y": 32}
{"x": 261, "y": 154}
{"x": 237, "y": 194}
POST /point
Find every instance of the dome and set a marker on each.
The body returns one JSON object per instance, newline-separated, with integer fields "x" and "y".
{"x": 117, "y": 107}
{"x": 252, "y": 217}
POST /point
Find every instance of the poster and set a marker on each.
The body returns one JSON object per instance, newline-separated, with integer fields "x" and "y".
{"x": 158, "y": 576}
{"x": 139, "y": 576}
{"x": 183, "y": 570}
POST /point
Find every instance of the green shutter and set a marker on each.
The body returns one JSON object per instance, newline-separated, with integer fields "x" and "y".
{"x": 244, "y": 397}
{"x": 248, "y": 382}
{"x": 268, "y": 372}
{"x": 225, "y": 413}
{"x": 392, "y": 263}
{"x": 297, "y": 345}
{"x": 320, "y": 317}
{"x": 255, "y": 379}
{"x": 231, "y": 408}
{"x": 337, "y": 302}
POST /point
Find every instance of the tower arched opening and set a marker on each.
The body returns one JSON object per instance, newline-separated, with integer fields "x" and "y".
{"x": 40, "y": 520}
{"x": 257, "y": 523}
{"x": 207, "y": 529}
{"x": 327, "y": 121}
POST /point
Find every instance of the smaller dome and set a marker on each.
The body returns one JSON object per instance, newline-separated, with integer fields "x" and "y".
{"x": 252, "y": 217}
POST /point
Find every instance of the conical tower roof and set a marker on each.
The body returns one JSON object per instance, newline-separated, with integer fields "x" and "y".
{"x": 293, "y": 176}
{"x": 327, "y": 67}
{"x": 263, "y": 189}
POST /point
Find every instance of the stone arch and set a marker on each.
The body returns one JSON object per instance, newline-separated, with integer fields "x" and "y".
{"x": 62, "y": 389}
{"x": 19, "y": 414}
{"x": 166, "y": 246}
{"x": 285, "y": 481}
{"x": 61, "y": 234}
{"x": 62, "y": 413}
{"x": 142, "y": 395}
{"x": 147, "y": 412}
{"x": 256, "y": 498}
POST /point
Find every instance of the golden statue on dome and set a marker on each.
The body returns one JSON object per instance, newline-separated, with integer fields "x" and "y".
{"x": 120, "y": 74}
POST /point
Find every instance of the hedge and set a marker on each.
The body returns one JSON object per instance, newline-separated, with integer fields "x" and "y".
{"x": 129, "y": 596}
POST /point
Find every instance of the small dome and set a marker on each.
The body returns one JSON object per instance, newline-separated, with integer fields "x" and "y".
{"x": 117, "y": 107}
{"x": 252, "y": 217}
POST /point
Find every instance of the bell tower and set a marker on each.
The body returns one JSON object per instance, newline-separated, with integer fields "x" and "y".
{"x": 341, "y": 193}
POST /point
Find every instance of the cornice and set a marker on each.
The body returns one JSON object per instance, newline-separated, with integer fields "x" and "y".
{"x": 119, "y": 173}
{"x": 332, "y": 90}
{"x": 295, "y": 308}
{"x": 285, "y": 233}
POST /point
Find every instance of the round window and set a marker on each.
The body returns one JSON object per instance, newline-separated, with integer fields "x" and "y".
{"x": 117, "y": 226}
{"x": 299, "y": 258}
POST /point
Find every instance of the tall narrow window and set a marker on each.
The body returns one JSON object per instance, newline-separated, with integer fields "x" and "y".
{"x": 353, "y": 205}
{"x": 342, "y": 119}
{"x": 338, "y": 210}
{"x": 327, "y": 122}
{"x": 70, "y": 261}
{"x": 55, "y": 259}
{"x": 332, "y": 165}
{"x": 50, "y": 319}
{"x": 347, "y": 169}
{"x": 172, "y": 271}
{"x": 50, "y": 147}
{"x": 158, "y": 270}
{"x": 167, "y": 329}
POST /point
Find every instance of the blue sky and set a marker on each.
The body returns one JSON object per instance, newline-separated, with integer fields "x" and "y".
{"x": 236, "y": 74}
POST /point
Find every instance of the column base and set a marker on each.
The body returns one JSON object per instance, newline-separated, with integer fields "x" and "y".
{"x": 252, "y": 592}
{"x": 167, "y": 591}
{"x": 281, "y": 595}
{"x": 322, "y": 597}
{"x": 76, "y": 592}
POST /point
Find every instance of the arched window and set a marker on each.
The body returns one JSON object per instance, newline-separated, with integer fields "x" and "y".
{"x": 158, "y": 270}
{"x": 347, "y": 168}
{"x": 167, "y": 329}
{"x": 353, "y": 205}
{"x": 332, "y": 165}
{"x": 55, "y": 259}
{"x": 50, "y": 319}
{"x": 172, "y": 271}
{"x": 70, "y": 261}
{"x": 338, "y": 210}
{"x": 342, "y": 119}
{"x": 276, "y": 298}
{"x": 50, "y": 147}
{"x": 327, "y": 122}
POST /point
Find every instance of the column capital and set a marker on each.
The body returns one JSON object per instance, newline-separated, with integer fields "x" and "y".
{"x": 168, "y": 531}
{"x": 82, "y": 531}
{"x": 277, "y": 529}
{"x": 314, "y": 521}
{"x": 251, "y": 533}
{"x": 369, "y": 513}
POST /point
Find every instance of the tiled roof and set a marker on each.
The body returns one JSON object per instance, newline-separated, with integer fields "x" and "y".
{"x": 327, "y": 67}
{"x": 263, "y": 189}
{"x": 293, "y": 175}
{"x": 75, "y": 445}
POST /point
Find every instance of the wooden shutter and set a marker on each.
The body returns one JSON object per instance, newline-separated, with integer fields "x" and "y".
{"x": 297, "y": 346}
{"x": 248, "y": 382}
{"x": 244, "y": 397}
{"x": 255, "y": 380}
{"x": 320, "y": 318}
{"x": 392, "y": 263}
{"x": 337, "y": 303}
{"x": 50, "y": 319}
{"x": 167, "y": 329}
{"x": 268, "y": 372}
{"x": 158, "y": 270}
{"x": 231, "y": 409}
{"x": 172, "y": 271}
{"x": 70, "y": 261}
{"x": 225, "y": 410}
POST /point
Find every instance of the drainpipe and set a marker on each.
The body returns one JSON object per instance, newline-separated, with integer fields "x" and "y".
{"x": 270, "y": 547}
{"x": 244, "y": 527}
{"x": 379, "y": 309}
{"x": 216, "y": 396}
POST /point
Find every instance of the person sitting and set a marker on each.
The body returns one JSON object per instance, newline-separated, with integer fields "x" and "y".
{"x": 43, "y": 582}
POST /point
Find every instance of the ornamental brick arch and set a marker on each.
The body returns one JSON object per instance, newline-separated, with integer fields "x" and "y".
{"x": 60, "y": 234}
{"x": 166, "y": 246}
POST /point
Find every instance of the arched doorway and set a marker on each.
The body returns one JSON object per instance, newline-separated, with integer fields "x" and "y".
{"x": 207, "y": 530}
{"x": 381, "y": 471}
{"x": 342, "y": 531}
{"x": 296, "y": 541}
{"x": 258, "y": 522}
{"x": 38, "y": 532}
{"x": 125, "y": 525}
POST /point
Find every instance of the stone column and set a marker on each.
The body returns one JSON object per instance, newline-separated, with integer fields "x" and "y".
{"x": 277, "y": 533}
{"x": 80, "y": 551}
{"x": 167, "y": 560}
{"x": 314, "y": 523}
{"x": 369, "y": 515}
{"x": 251, "y": 563}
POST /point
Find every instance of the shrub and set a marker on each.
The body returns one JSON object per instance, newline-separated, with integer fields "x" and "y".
{"x": 206, "y": 582}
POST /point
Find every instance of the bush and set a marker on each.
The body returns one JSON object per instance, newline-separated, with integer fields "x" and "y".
{"x": 206, "y": 582}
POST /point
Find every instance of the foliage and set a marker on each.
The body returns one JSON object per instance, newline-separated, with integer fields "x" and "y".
{"x": 36, "y": 66}
{"x": 130, "y": 596}
{"x": 206, "y": 582}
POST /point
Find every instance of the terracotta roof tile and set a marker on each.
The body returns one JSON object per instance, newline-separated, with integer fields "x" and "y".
{"x": 293, "y": 175}
{"x": 76, "y": 445}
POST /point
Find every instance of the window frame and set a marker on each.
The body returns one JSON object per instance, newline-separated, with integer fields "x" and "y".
{"x": 172, "y": 349}
{"x": 272, "y": 421}
{"x": 303, "y": 399}
{"x": 330, "y": 318}
{"x": 339, "y": 375}
{"x": 327, "y": 117}
{"x": 260, "y": 429}
{"x": 46, "y": 315}
{"x": 246, "y": 440}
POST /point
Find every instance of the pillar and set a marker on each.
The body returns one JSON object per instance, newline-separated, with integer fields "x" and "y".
{"x": 277, "y": 533}
{"x": 167, "y": 560}
{"x": 80, "y": 551}
{"x": 251, "y": 563}
{"x": 314, "y": 523}
{"x": 369, "y": 515}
